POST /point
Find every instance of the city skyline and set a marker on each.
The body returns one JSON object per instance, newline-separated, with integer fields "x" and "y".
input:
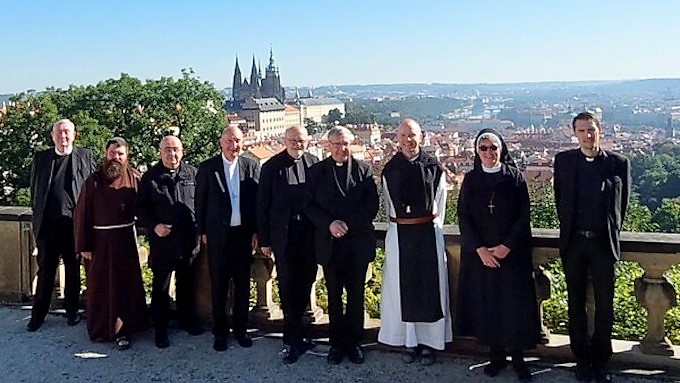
{"x": 55, "y": 44}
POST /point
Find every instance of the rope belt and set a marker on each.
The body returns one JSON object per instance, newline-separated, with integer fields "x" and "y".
{"x": 111, "y": 227}
{"x": 413, "y": 221}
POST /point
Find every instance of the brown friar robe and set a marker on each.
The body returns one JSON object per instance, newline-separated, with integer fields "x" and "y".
{"x": 103, "y": 219}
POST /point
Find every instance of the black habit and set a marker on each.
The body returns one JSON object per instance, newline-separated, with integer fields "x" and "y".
{"x": 497, "y": 305}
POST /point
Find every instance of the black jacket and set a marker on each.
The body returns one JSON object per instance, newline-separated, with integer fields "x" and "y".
{"x": 273, "y": 202}
{"x": 357, "y": 210}
{"x": 616, "y": 188}
{"x": 163, "y": 198}
{"x": 213, "y": 205}
{"x": 83, "y": 164}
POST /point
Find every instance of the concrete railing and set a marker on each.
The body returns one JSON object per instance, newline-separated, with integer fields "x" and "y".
{"x": 655, "y": 253}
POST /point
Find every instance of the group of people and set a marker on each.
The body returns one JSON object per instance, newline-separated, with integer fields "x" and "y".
{"x": 302, "y": 211}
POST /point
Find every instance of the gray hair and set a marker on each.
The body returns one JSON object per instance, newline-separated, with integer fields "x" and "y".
{"x": 339, "y": 131}
{"x": 64, "y": 121}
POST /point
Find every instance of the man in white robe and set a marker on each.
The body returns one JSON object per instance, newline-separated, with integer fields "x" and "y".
{"x": 414, "y": 304}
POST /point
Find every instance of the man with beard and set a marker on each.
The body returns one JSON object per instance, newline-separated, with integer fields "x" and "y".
{"x": 166, "y": 210}
{"x": 106, "y": 239}
{"x": 285, "y": 232}
{"x": 57, "y": 175}
{"x": 226, "y": 190}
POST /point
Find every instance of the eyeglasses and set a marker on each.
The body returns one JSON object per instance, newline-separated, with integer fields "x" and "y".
{"x": 484, "y": 148}
{"x": 299, "y": 142}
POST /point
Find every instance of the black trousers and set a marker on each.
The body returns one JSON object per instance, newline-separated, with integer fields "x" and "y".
{"x": 229, "y": 259}
{"x": 344, "y": 272}
{"x": 296, "y": 272}
{"x": 184, "y": 287}
{"x": 56, "y": 241}
{"x": 590, "y": 257}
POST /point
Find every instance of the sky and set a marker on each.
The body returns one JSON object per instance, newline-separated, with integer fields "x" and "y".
{"x": 55, "y": 43}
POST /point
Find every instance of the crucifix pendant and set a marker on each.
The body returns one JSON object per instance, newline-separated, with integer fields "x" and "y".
{"x": 408, "y": 209}
{"x": 491, "y": 206}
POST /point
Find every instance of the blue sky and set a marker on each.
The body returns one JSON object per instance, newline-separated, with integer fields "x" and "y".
{"x": 57, "y": 43}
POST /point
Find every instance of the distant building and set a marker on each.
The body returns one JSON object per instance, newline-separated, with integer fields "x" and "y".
{"x": 315, "y": 108}
{"x": 265, "y": 117}
{"x": 258, "y": 87}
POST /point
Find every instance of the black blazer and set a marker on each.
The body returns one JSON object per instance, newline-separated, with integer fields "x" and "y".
{"x": 357, "y": 210}
{"x": 273, "y": 206}
{"x": 82, "y": 163}
{"x": 213, "y": 206}
{"x": 164, "y": 199}
{"x": 617, "y": 189}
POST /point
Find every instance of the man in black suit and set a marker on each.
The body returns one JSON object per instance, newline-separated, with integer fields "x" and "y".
{"x": 166, "y": 209}
{"x": 592, "y": 186}
{"x": 285, "y": 232}
{"x": 344, "y": 201}
{"x": 226, "y": 191}
{"x": 57, "y": 175}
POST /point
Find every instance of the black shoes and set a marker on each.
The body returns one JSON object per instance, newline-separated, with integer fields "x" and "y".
{"x": 296, "y": 351}
{"x": 335, "y": 355}
{"x": 34, "y": 324}
{"x": 355, "y": 355}
{"x": 409, "y": 356}
{"x": 73, "y": 319}
{"x": 495, "y": 367}
{"x": 220, "y": 343}
{"x": 244, "y": 340}
{"x": 162, "y": 340}
{"x": 583, "y": 372}
{"x": 521, "y": 369}
{"x": 427, "y": 356}
{"x": 601, "y": 375}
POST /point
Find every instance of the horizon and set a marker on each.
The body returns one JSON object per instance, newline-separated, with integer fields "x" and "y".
{"x": 349, "y": 43}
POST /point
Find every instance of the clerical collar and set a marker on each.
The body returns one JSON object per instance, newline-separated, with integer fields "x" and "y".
{"x": 340, "y": 163}
{"x": 66, "y": 152}
{"x": 592, "y": 159}
{"x": 493, "y": 169}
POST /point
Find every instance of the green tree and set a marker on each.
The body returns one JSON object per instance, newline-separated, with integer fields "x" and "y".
{"x": 667, "y": 216}
{"x": 334, "y": 116}
{"x": 141, "y": 112}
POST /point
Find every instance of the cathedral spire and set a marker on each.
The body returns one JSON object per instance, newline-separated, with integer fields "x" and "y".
{"x": 236, "y": 84}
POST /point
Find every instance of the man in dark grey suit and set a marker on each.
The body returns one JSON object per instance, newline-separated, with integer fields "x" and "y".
{"x": 57, "y": 175}
{"x": 592, "y": 186}
{"x": 285, "y": 232}
{"x": 344, "y": 201}
{"x": 226, "y": 191}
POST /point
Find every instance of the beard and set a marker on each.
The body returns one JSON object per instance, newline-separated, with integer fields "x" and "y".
{"x": 113, "y": 169}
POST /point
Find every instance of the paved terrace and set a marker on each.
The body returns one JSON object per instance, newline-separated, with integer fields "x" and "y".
{"x": 59, "y": 353}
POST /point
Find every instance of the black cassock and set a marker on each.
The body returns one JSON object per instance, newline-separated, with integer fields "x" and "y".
{"x": 497, "y": 305}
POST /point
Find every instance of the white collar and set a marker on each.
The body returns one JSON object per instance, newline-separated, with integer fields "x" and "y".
{"x": 65, "y": 152}
{"x": 494, "y": 169}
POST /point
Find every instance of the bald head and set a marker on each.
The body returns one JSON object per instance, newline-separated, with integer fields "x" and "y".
{"x": 296, "y": 138}
{"x": 409, "y": 136}
{"x": 171, "y": 152}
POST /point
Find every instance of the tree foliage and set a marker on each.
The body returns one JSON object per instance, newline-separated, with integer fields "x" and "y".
{"x": 141, "y": 112}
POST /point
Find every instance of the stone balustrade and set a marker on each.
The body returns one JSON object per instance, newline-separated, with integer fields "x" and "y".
{"x": 655, "y": 253}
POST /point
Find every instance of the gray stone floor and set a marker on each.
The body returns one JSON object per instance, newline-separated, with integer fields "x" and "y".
{"x": 58, "y": 353}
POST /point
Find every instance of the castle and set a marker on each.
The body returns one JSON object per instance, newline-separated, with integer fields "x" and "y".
{"x": 258, "y": 87}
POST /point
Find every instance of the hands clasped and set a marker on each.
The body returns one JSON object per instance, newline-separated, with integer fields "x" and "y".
{"x": 491, "y": 255}
{"x": 338, "y": 228}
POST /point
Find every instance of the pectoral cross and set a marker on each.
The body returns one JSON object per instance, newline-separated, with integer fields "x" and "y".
{"x": 491, "y": 205}
{"x": 122, "y": 206}
{"x": 408, "y": 209}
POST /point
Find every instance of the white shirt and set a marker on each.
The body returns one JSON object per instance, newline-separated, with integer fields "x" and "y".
{"x": 66, "y": 152}
{"x": 232, "y": 175}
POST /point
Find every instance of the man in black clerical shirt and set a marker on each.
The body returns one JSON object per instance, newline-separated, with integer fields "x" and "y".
{"x": 57, "y": 175}
{"x": 286, "y": 233}
{"x": 166, "y": 209}
{"x": 592, "y": 186}
{"x": 344, "y": 201}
